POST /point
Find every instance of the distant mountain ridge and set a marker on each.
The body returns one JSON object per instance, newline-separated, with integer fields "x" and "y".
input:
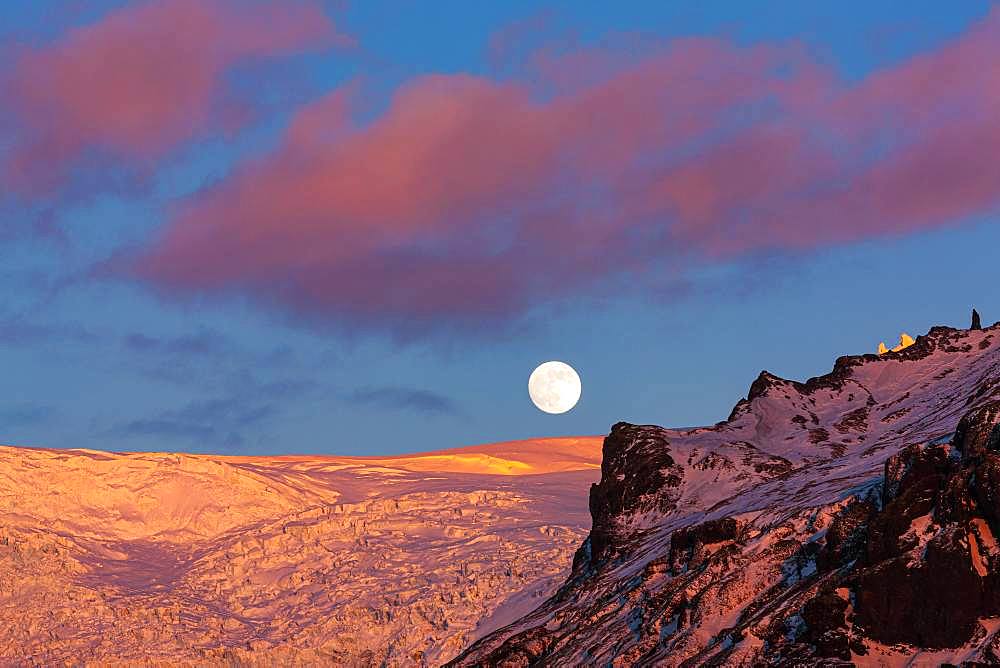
{"x": 847, "y": 520}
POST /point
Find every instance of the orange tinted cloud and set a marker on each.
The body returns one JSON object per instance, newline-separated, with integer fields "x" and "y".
{"x": 142, "y": 80}
{"x": 470, "y": 200}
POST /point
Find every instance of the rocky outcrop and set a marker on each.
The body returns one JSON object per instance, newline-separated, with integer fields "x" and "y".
{"x": 924, "y": 568}
{"x": 978, "y": 431}
{"x": 637, "y": 474}
{"x": 688, "y": 545}
{"x": 905, "y": 341}
{"x": 976, "y": 322}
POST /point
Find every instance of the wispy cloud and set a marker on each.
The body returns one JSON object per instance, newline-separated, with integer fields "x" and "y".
{"x": 202, "y": 342}
{"x": 218, "y": 422}
{"x": 404, "y": 398}
{"x": 19, "y": 415}
{"x": 16, "y": 330}
{"x": 193, "y": 358}
{"x": 215, "y": 422}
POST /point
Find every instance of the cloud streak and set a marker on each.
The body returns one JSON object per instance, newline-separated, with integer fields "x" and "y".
{"x": 220, "y": 421}
{"x": 202, "y": 342}
{"x": 26, "y": 414}
{"x": 208, "y": 423}
{"x": 404, "y": 398}
{"x": 20, "y": 331}
{"x": 468, "y": 201}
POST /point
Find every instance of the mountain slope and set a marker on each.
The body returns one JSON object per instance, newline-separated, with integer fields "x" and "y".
{"x": 850, "y": 518}
{"x": 116, "y": 558}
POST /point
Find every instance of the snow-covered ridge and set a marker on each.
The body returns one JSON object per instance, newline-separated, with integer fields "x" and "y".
{"x": 763, "y": 539}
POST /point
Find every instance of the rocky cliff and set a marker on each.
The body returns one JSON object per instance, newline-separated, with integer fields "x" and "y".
{"x": 847, "y": 520}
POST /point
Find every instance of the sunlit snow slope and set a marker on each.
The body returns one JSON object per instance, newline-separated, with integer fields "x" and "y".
{"x": 110, "y": 558}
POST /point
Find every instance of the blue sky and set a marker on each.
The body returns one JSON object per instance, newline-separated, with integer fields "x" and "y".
{"x": 260, "y": 359}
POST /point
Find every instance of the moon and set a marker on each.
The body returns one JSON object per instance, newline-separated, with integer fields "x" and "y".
{"x": 554, "y": 387}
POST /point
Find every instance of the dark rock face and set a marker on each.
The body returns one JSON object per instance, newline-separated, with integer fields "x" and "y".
{"x": 976, "y": 322}
{"x": 824, "y": 620}
{"x": 846, "y": 539}
{"x": 978, "y": 431}
{"x": 637, "y": 473}
{"x": 525, "y": 649}
{"x": 764, "y": 382}
{"x": 927, "y": 563}
{"x": 922, "y": 569}
{"x": 687, "y": 544}
{"x": 919, "y": 582}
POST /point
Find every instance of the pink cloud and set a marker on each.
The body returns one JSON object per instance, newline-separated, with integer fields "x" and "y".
{"x": 142, "y": 80}
{"x": 470, "y": 200}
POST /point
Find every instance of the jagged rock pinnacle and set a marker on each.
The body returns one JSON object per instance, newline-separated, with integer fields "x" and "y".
{"x": 905, "y": 341}
{"x": 976, "y": 322}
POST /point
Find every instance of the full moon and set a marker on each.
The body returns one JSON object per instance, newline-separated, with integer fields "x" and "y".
{"x": 554, "y": 387}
